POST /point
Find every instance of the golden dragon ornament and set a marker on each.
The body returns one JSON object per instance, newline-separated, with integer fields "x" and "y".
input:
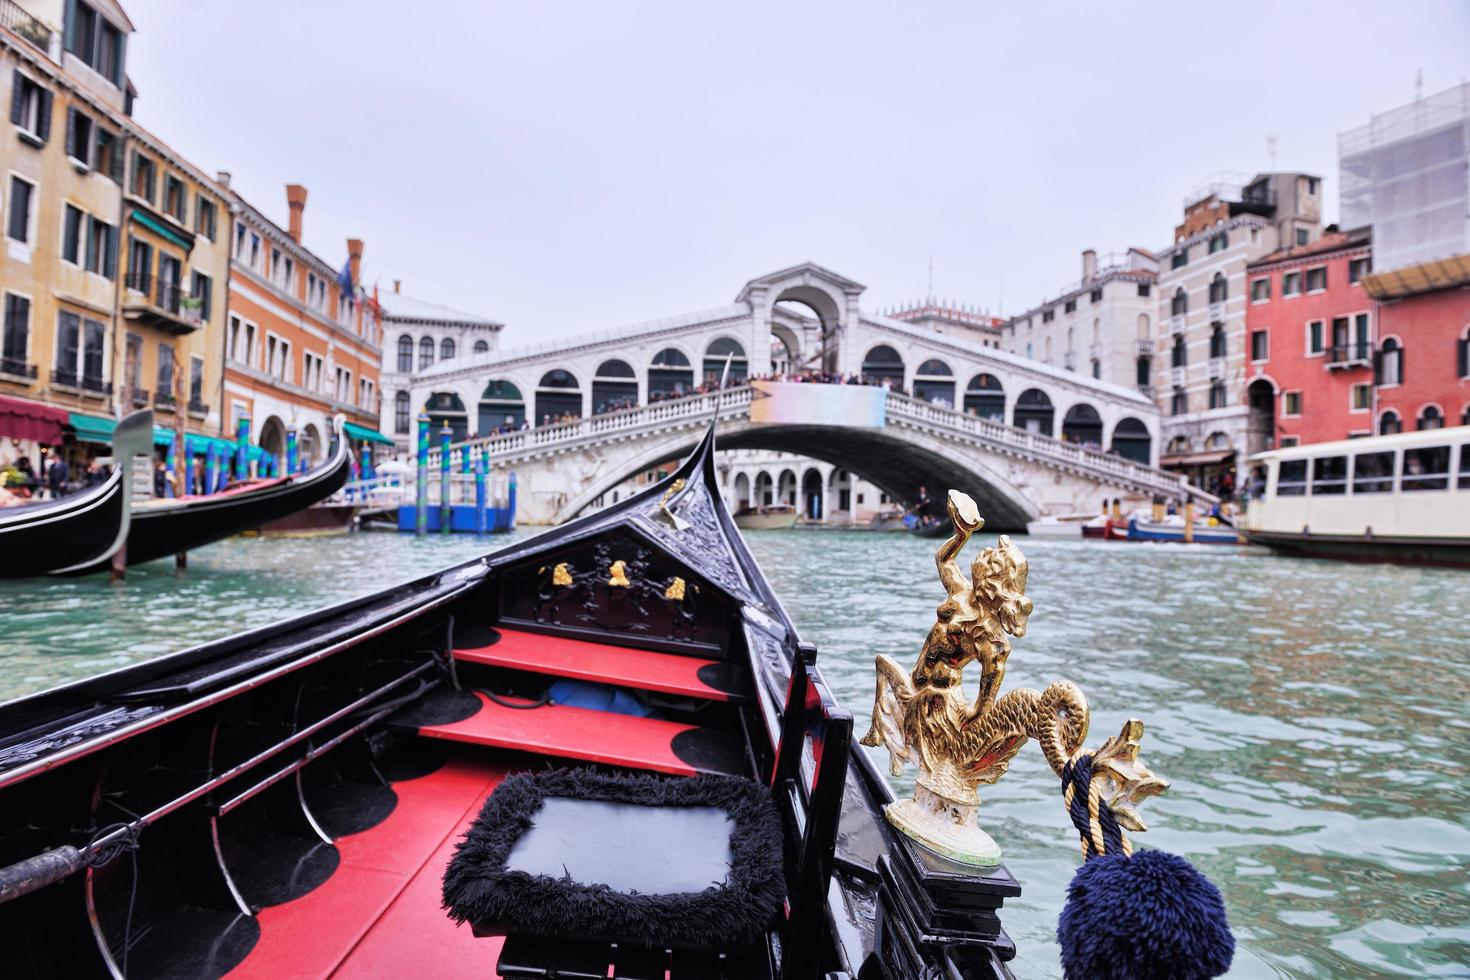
{"x": 923, "y": 716}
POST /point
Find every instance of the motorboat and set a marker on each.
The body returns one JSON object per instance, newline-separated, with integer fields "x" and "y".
{"x": 1060, "y": 525}
{"x": 766, "y": 517}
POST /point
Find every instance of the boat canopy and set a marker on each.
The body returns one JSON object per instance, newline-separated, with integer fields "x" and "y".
{"x": 365, "y": 434}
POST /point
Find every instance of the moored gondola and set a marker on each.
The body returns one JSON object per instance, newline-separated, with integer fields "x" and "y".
{"x": 605, "y": 751}
{"x": 84, "y": 529}
{"x": 171, "y": 526}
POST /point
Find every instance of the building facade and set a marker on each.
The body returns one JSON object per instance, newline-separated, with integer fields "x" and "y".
{"x": 1099, "y": 325}
{"x": 946, "y": 317}
{"x": 1423, "y": 358}
{"x": 416, "y": 336}
{"x": 302, "y": 341}
{"x": 1310, "y": 342}
{"x": 1199, "y": 357}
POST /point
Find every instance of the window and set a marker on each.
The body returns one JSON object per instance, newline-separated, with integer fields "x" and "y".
{"x": 79, "y": 351}
{"x": 1427, "y": 469}
{"x": 1329, "y": 475}
{"x": 1317, "y": 279}
{"x": 30, "y": 108}
{"x": 1179, "y": 302}
{"x": 1260, "y": 345}
{"x": 1462, "y": 354}
{"x": 1070, "y": 306}
{"x": 79, "y": 136}
{"x": 446, "y": 349}
{"x": 288, "y": 279}
{"x": 1286, "y": 442}
{"x": 1143, "y": 371}
{"x": 278, "y": 358}
{"x": 254, "y": 251}
{"x": 1315, "y": 344}
{"x": 1219, "y": 243}
{"x": 18, "y": 224}
{"x": 202, "y": 289}
{"x": 1291, "y": 284}
{"x": 426, "y": 352}
{"x": 1219, "y": 290}
{"x": 1097, "y": 295}
{"x": 400, "y": 413}
{"x": 1217, "y": 341}
{"x": 311, "y": 371}
{"x": 1048, "y": 315}
{"x": 71, "y": 235}
{"x": 1291, "y": 403}
{"x": 1430, "y": 417}
{"x": 1292, "y": 479}
{"x": 1096, "y": 368}
{"x": 205, "y": 214}
{"x": 405, "y": 354}
{"x": 16, "y": 346}
{"x": 1261, "y": 290}
{"x": 1360, "y": 397}
{"x": 1358, "y": 268}
{"x": 1464, "y": 481}
{"x": 241, "y": 339}
{"x": 1144, "y": 289}
{"x": 1390, "y": 363}
{"x": 481, "y": 347}
{"x": 91, "y": 38}
{"x": 1389, "y": 423}
{"x": 101, "y": 255}
{"x": 107, "y": 154}
{"x": 165, "y": 388}
{"x": 316, "y": 292}
{"x": 275, "y": 266}
{"x": 1179, "y": 355}
{"x": 1302, "y": 236}
{"x": 1179, "y": 402}
{"x": 144, "y": 183}
{"x": 1180, "y": 258}
{"x": 343, "y": 390}
{"x": 1373, "y": 473}
{"x": 1217, "y": 394}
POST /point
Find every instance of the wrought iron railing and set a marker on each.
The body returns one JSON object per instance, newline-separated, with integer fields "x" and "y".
{"x": 22, "y": 23}
{"x": 163, "y": 399}
{"x": 1358, "y": 352}
{"x": 165, "y": 295}
{"x": 197, "y": 407}
{"x": 17, "y": 368}
{"x": 139, "y": 397}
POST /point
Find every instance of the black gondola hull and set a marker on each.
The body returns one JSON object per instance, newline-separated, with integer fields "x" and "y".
{"x": 78, "y": 530}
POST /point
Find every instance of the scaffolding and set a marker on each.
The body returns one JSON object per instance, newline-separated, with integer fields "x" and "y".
{"x": 1407, "y": 174}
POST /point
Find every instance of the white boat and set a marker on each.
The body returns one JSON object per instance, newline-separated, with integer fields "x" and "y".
{"x": 1402, "y": 497}
{"x": 1059, "y": 526}
{"x": 774, "y": 516}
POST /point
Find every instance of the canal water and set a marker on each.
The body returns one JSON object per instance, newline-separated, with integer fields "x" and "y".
{"x": 1311, "y": 716}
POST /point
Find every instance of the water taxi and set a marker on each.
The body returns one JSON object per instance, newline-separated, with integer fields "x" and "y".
{"x": 1401, "y": 498}
{"x": 767, "y": 517}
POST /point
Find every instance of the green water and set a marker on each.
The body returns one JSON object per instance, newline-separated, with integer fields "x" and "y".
{"x": 1310, "y": 715}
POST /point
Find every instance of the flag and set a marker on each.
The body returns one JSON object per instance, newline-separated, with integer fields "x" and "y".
{"x": 344, "y": 280}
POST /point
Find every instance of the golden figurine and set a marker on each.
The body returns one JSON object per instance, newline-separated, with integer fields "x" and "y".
{"x": 667, "y": 516}
{"x": 923, "y": 717}
{"x": 618, "y": 575}
{"x": 675, "y": 591}
{"x": 561, "y": 575}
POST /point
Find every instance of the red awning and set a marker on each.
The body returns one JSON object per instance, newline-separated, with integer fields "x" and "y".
{"x": 1197, "y": 459}
{"x": 21, "y": 419}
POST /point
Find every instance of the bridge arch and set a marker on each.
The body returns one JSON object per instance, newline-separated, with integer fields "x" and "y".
{"x": 500, "y": 403}
{"x": 671, "y": 372}
{"x": 786, "y": 487}
{"x": 614, "y": 386}
{"x": 934, "y": 382}
{"x": 883, "y": 363}
{"x": 1034, "y": 412}
{"x": 558, "y": 393}
{"x": 1082, "y": 425}
{"x": 986, "y": 397}
{"x": 1131, "y": 440}
{"x": 813, "y": 494}
{"x": 765, "y": 489}
{"x": 446, "y": 407}
{"x": 742, "y": 491}
{"x": 714, "y": 360}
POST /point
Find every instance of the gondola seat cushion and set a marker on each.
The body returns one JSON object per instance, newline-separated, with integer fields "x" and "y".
{"x": 675, "y": 863}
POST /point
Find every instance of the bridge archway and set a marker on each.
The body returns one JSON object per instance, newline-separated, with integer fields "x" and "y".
{"x": 614, "y": 386}
{"x": 1034, "y": 412}
{"x": 1132, "y": 441}
{"x": 934, "y": 382}
{"x": 273, "y": 439}
{"x": 897, "y": 463}
{"x": 669, "y": 374}
{"x": 558, "y": 393}
{"x": 1082, "y": 425}
{"x": 813, "y": 499}
{"x": 786, "y": 488}
{"x": 985, "y": 397}
{"x": 714, "y": 360}
{"x": 501, "y": 403}
{"x": 742, "y": 491}
{"x": 445, "y": 407}
{"x": 883, "y": 363}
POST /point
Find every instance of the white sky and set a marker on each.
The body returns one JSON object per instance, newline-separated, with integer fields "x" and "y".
{"x": 569, "y": 167}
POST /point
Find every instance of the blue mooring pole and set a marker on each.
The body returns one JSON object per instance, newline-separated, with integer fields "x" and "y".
{"x": 171, "y": 462}
{"x": 211, "y": 465}
{"x": 421, "y": 522}
{"x": 481, "y": 517}
{"x": 242, "y": 449}
{"x": 510, "y": 503}
{"x": 446, "y": 509}
{"x": 290, "y": 451}
{"x": 367, "y": 461}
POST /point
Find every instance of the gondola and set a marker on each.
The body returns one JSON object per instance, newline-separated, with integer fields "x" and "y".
{"x": 177, "y": 525}
{"x": 80, "y": 530}
{"x": 601, "y": 752}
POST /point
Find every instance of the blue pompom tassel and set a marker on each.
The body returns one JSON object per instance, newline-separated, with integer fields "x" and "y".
{"x": 1152, "y": 915}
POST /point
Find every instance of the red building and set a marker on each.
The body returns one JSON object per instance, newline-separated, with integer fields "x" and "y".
{"x": 1423, "y": 314}
{"x": 1310, "y": 342}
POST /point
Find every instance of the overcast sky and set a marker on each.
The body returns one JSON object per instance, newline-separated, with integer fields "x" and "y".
{"x": 572, "y": 167}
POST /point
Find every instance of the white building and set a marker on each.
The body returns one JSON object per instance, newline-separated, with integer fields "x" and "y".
{"x": 1096, "y": 324}
{"x": 417, "y": 335}
{"x": 1199, "y": 350}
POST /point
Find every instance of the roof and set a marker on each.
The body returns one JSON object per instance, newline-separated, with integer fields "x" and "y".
{"x": 1333, "y": 241}
{"x": 809, "y": 270}
{"x": 1368, "y": 444}
{"x": 397, "y": 306}
{"x": 1426, "y": 277}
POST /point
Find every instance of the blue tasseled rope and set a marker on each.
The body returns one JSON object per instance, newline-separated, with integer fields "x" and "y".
{"x": 1077, "y": 773}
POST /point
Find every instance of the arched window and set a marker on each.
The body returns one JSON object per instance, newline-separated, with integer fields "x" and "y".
{"x": 1179, "y": 304}
{"x": 669, "y": 374}
{"x": 882, "y": 363}
{"x": 1430, "y": 417}
{"x": 1390, "y": 424}
{"x": 1391, "y": 362}
{"x": 1145, "y": 330}
{"x": 482, "y": 347}
{"x": 502, "y": 408}
{"x": 1034, "y": 412}
{"x": 985, "y": 397}
{"x": 1070, "y": 344}
{"x": 400, "y": 404}
{"x": 1132, "y": 441}
{"x": 1178, "y": 445}
{"x": 1179, "y": 355}
{"x": 557, "y": 397}
{"x": 426, "y": 352}
{"x": 446, "y": 349}
{"x": 1217, "y": 341}
{"x": 445, "y": 407}
{"x": 1082, "y": 425}
{"x": 614, "y": 387}
{"x": 405, "y": 354}
{"x": 714, "y": 361}
{"x": 1218, "y": 288}
{"x": 934, "y": 383}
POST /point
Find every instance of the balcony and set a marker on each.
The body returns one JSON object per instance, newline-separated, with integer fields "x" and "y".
{"x": 1217, "y": 312}
{"x": 15, "y": 369}
{"x": 1145, "y": 348}
{"x": 1348, "y": 356}
{"x": 139, "y": 397}
{"x": 1177, "y": 376}
{"x": 161, "y": 303}
{"x": 87, "y": 384}
{"x": 1177, "y": 324}
{"x": 198, "y": 409}
{"x": 22, "y": 23}
{"x": 1217, "y": 368}
{"x": 1069, "y": 360}
{"x": 165, "y": 401}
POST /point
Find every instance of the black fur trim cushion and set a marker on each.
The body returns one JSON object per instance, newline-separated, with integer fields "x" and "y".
{"x": 478, "y": 888}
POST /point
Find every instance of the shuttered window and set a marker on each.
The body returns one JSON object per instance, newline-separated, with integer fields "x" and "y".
{"x": 71, "y": 235}
{"x": 30, "y": 107}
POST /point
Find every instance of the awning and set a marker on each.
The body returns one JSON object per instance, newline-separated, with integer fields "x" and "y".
{"x": 22, "y": 419}
{"x": 164, "y": 230}
{"x": 1197, "y": 459}
{"x": 366, "y": 434}
{"x": 92, "y": 428}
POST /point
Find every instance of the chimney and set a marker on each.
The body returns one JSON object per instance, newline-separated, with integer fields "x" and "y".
{"x": 296, "y": 201}
{"x": 396, "y": 284}
{"x": 223, "y": 177}
{"x": 354, "y": 258}
{"x": 1089, "y": 265}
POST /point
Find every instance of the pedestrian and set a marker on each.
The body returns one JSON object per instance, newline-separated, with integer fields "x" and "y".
{"x": 57, "y": 475}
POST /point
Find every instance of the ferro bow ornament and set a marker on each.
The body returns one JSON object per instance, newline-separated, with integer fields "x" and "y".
{"x": 923, "y": 717}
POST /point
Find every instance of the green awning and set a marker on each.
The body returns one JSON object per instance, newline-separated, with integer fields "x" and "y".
{"x": 162, "y": 436}
{"x": 366, "y": 434}
{"x": 161, "y": 229}
{"x": 93, "y": 428}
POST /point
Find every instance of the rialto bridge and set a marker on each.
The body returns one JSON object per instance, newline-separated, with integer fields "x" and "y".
{"x": 1025, "y": 439}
